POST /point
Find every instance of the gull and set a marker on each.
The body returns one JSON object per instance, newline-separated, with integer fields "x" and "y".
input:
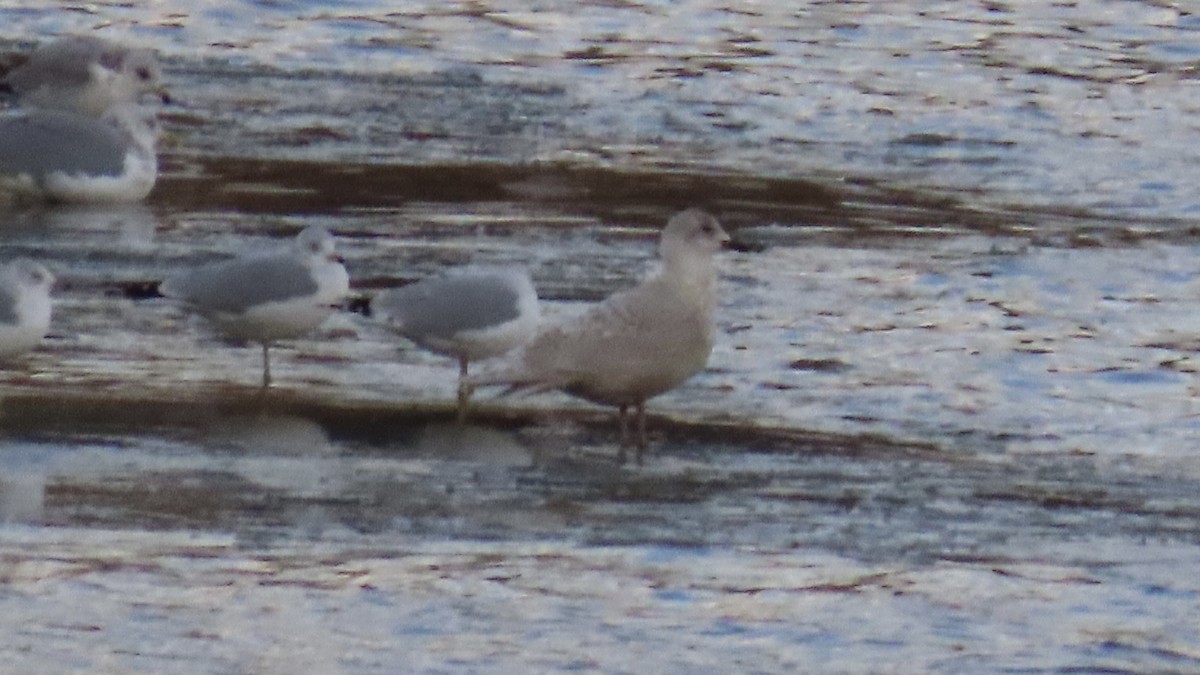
{"x": 267, "y": 297}
{"x": 69, "y": 157}
{"x": 24, "y": 306}
{"x": 470, "y": 315}
{"x": 85, "y": 74}
{"x": 637, "y": 343}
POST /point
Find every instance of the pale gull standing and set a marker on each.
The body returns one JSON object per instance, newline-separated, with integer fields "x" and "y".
{"x": 69, "y": 157}
{"x": 637, "y": 343}
{"x": 470, "y": 315}
{"x": 267, "y": 297}
{"x": 24, "y": 306}
{"x": 85, "y": 74}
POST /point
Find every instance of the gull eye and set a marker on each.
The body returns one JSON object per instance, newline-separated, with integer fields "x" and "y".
{"x": 143, "y": 73}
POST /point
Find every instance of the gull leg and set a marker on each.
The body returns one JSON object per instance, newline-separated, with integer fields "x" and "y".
{"x": 464, "y": 392}
{"x": 623, "y": 426}
{"x": 641, "y": 431}
{"x": 266, "y": 366}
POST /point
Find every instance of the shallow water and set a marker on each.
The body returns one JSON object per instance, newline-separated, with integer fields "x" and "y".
{"x": 948, "y": 425}
{"x": 236, "y": 534}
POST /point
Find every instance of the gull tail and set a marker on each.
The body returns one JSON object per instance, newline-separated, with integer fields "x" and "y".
{"x": 513, "y": 379}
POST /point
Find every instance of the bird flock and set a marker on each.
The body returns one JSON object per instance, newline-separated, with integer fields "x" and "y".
{"x": 81, "y": 130}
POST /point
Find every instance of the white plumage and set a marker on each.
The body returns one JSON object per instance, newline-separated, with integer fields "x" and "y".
{"x": 637, "y": 343}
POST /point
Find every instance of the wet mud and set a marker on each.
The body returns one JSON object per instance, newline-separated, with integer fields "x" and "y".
{"x": 506, "y": 475}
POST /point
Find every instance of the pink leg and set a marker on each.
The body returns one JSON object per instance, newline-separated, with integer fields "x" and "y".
{"x": 641, "y": 431}
{"x": 623, "y": 425}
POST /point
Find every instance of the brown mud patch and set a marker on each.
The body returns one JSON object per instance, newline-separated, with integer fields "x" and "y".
{"x": 845, "y": 211}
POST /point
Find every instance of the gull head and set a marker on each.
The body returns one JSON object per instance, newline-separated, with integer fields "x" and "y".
{"x": 140, "y": 68}
{"x": 315, "y": 243}
{"x": 86, "y": 74}
{"x": 30, "y": 275}
{"x": 690, "y": 233}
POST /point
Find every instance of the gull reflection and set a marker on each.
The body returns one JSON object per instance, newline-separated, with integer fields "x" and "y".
{"x": 465, "y": 442}
{"x": 126, "y": 226}
{"x": 275, "y": 434}
{"x": 22, "y": 497}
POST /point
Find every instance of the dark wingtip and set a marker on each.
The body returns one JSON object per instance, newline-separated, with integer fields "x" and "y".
{"x": 141, "y": 290}
{"x": 359, "y": 304}
{"x": 742, "y": 245}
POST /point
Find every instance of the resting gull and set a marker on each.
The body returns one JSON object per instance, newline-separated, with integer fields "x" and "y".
{"x": 637, "y": 343}
{"x": 267, "y": 297}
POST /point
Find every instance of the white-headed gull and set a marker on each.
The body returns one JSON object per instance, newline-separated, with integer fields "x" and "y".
{"x": 267, "y": 297}
{"x": 468, "y": 314}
